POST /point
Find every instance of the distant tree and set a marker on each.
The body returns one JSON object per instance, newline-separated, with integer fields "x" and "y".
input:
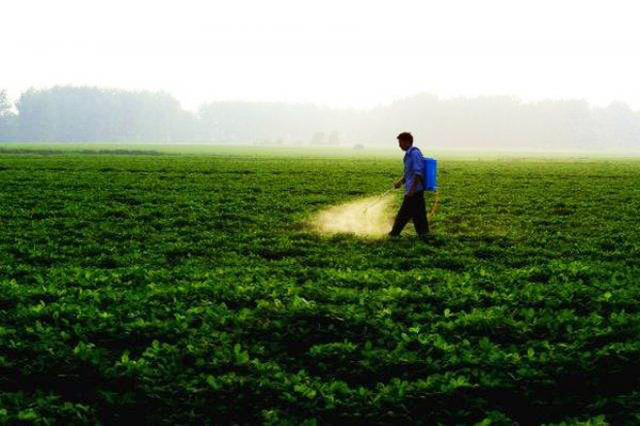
{"x": 229, "y": 122}
{"x": 619, "y": 125}
{"x": 333, "y": 138}
{"x": 88, "y": 114}
{"x": 5, "y": 104}
{"x": 7, "y": 118}
{"x": 319, "y": 138}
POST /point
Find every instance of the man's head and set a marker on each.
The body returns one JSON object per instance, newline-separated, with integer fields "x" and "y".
{"x": 405, "y": 140}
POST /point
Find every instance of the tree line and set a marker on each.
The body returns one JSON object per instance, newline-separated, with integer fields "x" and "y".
{"x": 91, "y": 114}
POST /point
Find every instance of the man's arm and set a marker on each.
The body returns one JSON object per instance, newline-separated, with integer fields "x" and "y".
{"x": 417, "y": 163}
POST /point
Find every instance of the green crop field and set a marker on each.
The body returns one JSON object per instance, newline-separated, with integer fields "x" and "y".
{"x": 190, "y": 289}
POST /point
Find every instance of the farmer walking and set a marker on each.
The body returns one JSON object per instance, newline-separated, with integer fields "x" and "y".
{"x": 413, "y": 204}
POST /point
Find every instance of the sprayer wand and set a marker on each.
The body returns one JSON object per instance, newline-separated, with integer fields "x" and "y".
{"x": 380, "y": 197}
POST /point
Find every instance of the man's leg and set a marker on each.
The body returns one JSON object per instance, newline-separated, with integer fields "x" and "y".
{"x": 403, "y": 216}
{"x": 419, "y": 214}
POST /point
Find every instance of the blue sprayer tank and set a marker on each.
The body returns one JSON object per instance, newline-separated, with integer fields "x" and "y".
{"x": 431, "y": 174}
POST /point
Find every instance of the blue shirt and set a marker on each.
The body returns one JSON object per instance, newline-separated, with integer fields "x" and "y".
{"x": 413, "y": 166}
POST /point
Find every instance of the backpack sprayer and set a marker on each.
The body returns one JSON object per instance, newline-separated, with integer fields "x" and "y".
{"x": 430, "y": 180}
{"x": 431, "y": 184}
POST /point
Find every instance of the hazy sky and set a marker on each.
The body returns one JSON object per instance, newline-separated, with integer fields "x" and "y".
{"x": 337, "y": 53}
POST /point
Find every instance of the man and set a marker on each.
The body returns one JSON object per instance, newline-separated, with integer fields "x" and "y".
{"x": 413, "y": 204}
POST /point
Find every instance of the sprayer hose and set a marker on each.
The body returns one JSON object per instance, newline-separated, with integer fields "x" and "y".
{"x": 436, "y": 205}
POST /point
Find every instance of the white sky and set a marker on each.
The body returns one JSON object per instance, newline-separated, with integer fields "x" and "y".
{"x": 337, "y": 53}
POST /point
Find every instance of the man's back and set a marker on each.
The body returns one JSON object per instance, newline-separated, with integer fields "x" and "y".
{"x": 413, "y": 166}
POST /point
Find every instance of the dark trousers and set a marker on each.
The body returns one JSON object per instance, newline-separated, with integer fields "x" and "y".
{"x": 412, "y": 208}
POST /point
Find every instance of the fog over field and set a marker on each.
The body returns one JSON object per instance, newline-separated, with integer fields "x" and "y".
{"x": 496, "y": 75}
{"x": 82, "y": 114}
